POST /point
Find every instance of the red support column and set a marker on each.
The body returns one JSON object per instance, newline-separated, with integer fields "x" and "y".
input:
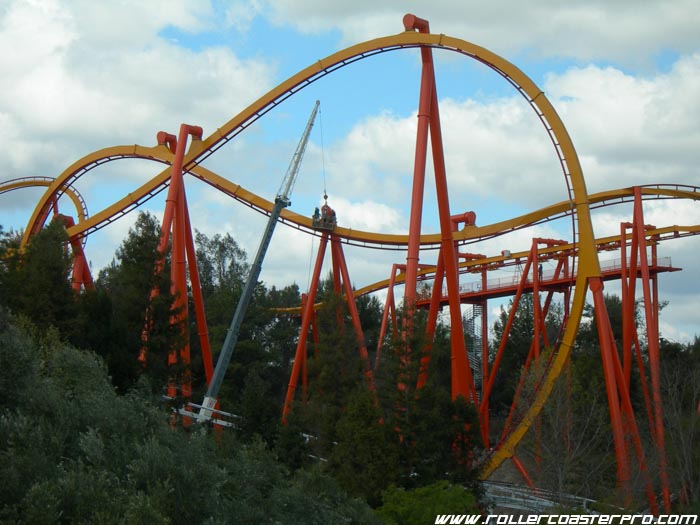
{"x": 462, "y": 381}
{"x": 202, "y": 330}
{"x": 178, "y": 286}
{"x": 339, "y": 259}
{"x": 412, "y": 23}
{"x": 303, "y": 356}
{"x": 306, "y": 318}
{"x": 389, "y": 310}
{"x": 176, "y": 179}
{"x": 607, "y": 348}
{"x": 435, "y": 300}
{"x": 651, "y": 313}
{"x": 174, "y": 219}
{"x": 538, "y": 320}
{"x": 627, "y": 294}
{"x": 429, "y": 121}
{"x": 80, "y": 274}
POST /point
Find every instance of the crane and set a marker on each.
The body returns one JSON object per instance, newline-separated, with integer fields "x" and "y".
{"x": 282, "y": 200}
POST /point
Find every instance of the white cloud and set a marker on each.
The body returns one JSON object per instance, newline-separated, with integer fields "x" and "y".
{"x": 629, "y": 32}
{"x": 632, "y": 130}
{"x": 374, "y": 160}
{"x": 92, "y": 75}
{"x": 241, "y": 14}
{"x": 368, "y": 215}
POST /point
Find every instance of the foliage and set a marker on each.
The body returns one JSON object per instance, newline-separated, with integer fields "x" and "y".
{"x": 517, "y": 347}
{"x": 680, "y": 383}
{"x": 422, "y": 505}
{"x": 74, "y": 451}
{"x": 36, "y": 283}
{"x": 392, "y": 435}
{"x": 122, "y": 305}
{"x": 569, "y": 449}
{"x": 365, "y": 458}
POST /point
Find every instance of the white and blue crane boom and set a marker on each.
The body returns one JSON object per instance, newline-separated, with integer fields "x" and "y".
{"x": 282, "y": 200}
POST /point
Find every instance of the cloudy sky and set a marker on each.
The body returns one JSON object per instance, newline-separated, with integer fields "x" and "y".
{"x": 79, "y": 75}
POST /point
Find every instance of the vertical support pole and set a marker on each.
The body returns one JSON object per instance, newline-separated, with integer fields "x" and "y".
{"x": 607, "y": 347}
{"x": 202, "y": 331}
{"x": 178, "y": 276}
{"x": 174, "y": 207}
{"x": 303, "y": 357}
{"x": 412, "y": 23}
{"x": 81, "y": 276}
{"x": 339, "y": 258}
{"x": 538, "y": 321}
{"x": 628, "y": 324}
{"x": 435, "y": 301}
{"x": 176, "y": 181}
{"x": 429, "y": 121}
{"x": 389, "y": 310}
{"x": 651, "y": 312}
{"x": 306, "y": 318}
{"x": 484, "y": 403}
{"x": 462, "y": 381}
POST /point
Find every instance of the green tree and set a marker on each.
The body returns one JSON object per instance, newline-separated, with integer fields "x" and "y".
{"x": 396, "y": 434}
{"x": 74, "y": 451}
{"x": 569, "y": 450}
{"x": 680, "y": 382}
{"x": 365, "y": 458}
{"x": 515, "y": 351}
{"x": 422, "y": 505}
{"x": 121, "y": 304}
{"x": 36, "y": 283}
{"x": 438, "y": 437}
{"x": 223, "y": 271}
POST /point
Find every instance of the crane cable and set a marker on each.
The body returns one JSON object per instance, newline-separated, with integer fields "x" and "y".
{"x": 323, "y": 152}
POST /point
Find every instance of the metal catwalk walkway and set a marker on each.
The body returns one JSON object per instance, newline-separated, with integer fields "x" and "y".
{"x": 474, "y": 292}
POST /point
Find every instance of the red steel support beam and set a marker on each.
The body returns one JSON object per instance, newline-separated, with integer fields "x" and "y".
{"x": 484, "y": 402}
{"x": 339, "y": 258}
{"x": 651, "y": 313}
{"x": 607, "y": 348}
{"x": 202, "y": 330}
{"x": 80, "y": 275}
{"x": 176, "y": 179}
{"x": 389, "y": 310}
{"x": 307, "y": 315}
{"x": 178, "y": 286}
{"x": 432, "y": 322}
{"x": 174, "y": 219}
{"x": 462, "y": 381}
{"x": 412, "y": 23}
{"x": 504, "y": 339}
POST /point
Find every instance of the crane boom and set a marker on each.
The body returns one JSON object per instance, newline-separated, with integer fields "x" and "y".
{"x": 281, "y": 201}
